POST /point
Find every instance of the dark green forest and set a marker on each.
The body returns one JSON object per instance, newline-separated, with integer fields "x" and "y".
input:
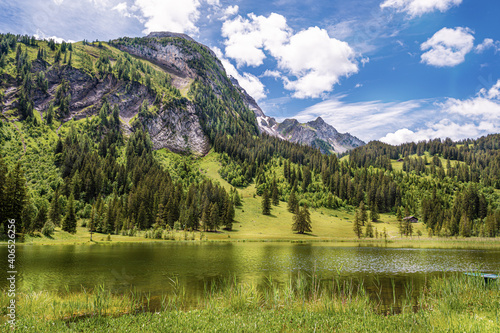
{"x": 96, "y": 171}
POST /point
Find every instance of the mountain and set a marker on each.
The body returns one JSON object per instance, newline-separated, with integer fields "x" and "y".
{"x": 168, "y": 83}
{"x": 317, "y": 133}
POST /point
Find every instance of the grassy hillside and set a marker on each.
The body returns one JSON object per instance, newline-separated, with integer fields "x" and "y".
{"x": 251, "y": 224}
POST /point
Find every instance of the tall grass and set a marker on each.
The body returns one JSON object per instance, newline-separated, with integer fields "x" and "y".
{"x": 303, "y": 303}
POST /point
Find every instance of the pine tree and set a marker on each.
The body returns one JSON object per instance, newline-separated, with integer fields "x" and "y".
{"x": 266, "y": 203}
{"x": 229, "y": 216}
{"x": 236, "y": 198}
{"x": 369, "y": 230}
{"x": 16, "y": 193}
{"x": 41, "y": 218}
{"x": 399, "y": 214}
{"x": 409, "y": 228}
{"x": 274, "y": 193}
{"x": 374, "y": 215}
{"x": 363, "y": 216}
{"x": 491, "y": 225}
{"x": 401, "y": 228}
{"x": 214, "y": 217}
{"x": 293, "y": 203}
{"x": 465, "y": 230}
{"x": 55, "y": 209}
{"x": 69, "y": 222}
{"x": 3, "y": 190}
{"x": 302, "y": 221}
{"x": 357, "y": 225}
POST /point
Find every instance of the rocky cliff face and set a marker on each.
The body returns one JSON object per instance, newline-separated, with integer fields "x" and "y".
{"x": 315, "y": 133}
{"x": 183, "y": 124}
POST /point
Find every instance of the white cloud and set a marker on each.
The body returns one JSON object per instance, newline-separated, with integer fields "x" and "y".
{"x": 246, "y": 38}
{"x": 443, "y": 129}
{"x": 313, "y": 61}
{"x": 414, "y": 120}
{"x": 164, "y": 15}
{"x": 40, "y": 35}
{"x": 169, "y": 15}
{"x": 317, "y": 61}
{"x": 367, "y": 120}
{"x": 229, "y": 12}
{"x": 419, "y": 7}
{"x": 270, "y": 73}
{"x": 448, "y": 47}
{"x": 342, "y": 29}
{"x": 484, "y": 107}
{"x": 474, "y": 117}
{"x": 488, "y": 43}
{"x": 247, "y": 81}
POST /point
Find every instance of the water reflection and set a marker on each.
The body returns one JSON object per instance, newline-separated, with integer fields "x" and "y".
{"x": 386, "y": 273}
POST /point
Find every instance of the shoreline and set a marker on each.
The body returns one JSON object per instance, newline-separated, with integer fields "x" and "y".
{"x": 417, "y": 243}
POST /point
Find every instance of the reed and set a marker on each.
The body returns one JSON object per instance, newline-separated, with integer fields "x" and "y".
{"x": 303, "y": 303}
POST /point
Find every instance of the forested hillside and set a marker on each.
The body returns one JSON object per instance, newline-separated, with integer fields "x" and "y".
{"x": 84, "y": 124}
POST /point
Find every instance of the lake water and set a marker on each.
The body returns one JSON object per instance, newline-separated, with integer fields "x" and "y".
{"x": 149, "y": 267}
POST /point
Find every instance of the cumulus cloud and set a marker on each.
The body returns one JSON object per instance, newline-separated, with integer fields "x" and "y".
{"x": 416, "y": 8}
{"x": 473, "y": 117}
{"x": 443, "y": 129}
{"x": 313, "y": 61}
{"x": 448, "y": 47}
{"x": 247, "y": 38}
{"x": 488, "y": 43}
{"x": 483, "y": 107}
{"x": 165, "y": 15}
{"x": 169, "y": 15}
{"x": 317, "y": 61}
{"x": 247, "y": 81}
{"x": 414, "y": 120}
{"x": 229, "y": 12}
{"x": 271, "y": 73}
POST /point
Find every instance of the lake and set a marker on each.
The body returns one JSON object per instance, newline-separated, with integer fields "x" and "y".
{"x": 149, "y": 267}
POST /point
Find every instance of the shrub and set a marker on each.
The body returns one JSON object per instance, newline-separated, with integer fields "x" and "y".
{"x": 48, "y": 229}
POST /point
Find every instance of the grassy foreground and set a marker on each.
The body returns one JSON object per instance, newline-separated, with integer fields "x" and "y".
{"x": 452, "y": 304}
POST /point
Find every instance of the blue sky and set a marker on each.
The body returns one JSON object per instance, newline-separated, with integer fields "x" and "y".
{"x": 390, "y": 70}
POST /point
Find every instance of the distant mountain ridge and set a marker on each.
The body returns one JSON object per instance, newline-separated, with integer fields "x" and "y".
{"x": 315, "y": 133}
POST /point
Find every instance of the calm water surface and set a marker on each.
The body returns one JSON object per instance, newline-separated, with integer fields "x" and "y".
{"x": 149, "y": 267}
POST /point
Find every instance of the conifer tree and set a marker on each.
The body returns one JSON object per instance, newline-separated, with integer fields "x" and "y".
{"x": 55, "y": 209}
{"x": 401, "y": 228}
{"x": 357, "y": 225}
{"x": 363, "y": 216}
{"x": 408, "y": 228}
{"x": 16, "y": 193}
{"x": 374, "y": 214}
{"x": 274, "y": 193}
{"x": 266, "y": 203}
{"x": 465, "y": 230}
{"x": 293, "y": 203}
{"x": 41, "y": 218}
{"x": 69, "y": 222}
{"x": 3, "y": 190}
{"x": 236, "y": 198}
{"x": 369, "y": 230}
{"x": 214, "y": 217}
{"x": 302, "y": 221}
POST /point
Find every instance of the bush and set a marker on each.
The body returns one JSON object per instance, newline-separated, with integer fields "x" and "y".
{"x": 177, "y": 225}
{"x": 48, "y": 229}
